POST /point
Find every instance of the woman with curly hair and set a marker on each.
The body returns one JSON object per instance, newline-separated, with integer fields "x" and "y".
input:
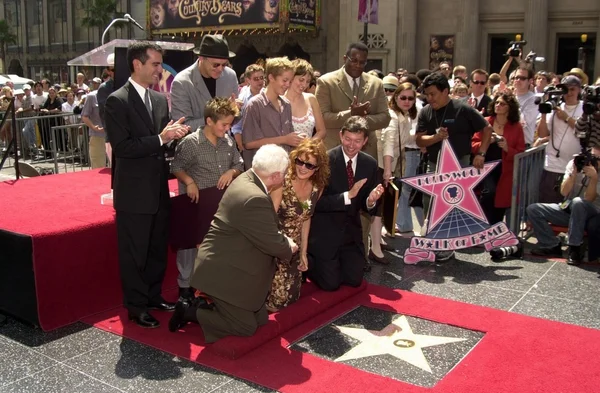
{"x": 295, "y": 203}
{"x": 507, "y": 141}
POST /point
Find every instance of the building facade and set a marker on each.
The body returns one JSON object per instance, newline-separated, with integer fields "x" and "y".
{"x": 50, "y": 33}
{"x": 411, "y": 33}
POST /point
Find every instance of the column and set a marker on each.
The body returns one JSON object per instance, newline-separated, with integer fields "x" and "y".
{"x": 597, "y": 61}
{"x": 536, "y": 28}
{"x": 407, "y": 35}
{"x": 70, "y": 33}
{"x": 467, "y": 43}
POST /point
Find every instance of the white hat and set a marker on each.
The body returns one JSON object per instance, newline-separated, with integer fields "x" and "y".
{"x": 18, "y": 91}
{"x": 110, "y": 59}
{"x": 97, "y": 80}
{"x": 26, "y": 87}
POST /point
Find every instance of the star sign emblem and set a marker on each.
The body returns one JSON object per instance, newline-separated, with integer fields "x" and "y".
{"x": 396, "y": 339}
{"x": 451, "y": 186}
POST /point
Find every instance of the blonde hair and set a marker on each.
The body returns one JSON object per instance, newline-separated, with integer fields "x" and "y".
{"x": 276, "y": 66}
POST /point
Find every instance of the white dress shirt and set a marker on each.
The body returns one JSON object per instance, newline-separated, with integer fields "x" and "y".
{"x": 351, "y": 81}
{"x": 141, "y": 90}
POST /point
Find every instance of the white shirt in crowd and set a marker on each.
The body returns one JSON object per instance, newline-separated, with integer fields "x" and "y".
{"x": 562, "y": 143}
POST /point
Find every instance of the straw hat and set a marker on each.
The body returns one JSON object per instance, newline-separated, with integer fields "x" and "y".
{"x": 578, "y": 72}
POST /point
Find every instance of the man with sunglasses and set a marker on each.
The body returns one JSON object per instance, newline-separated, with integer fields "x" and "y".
{"x": 479, "y": 100}
{"x": 207, "y": 78}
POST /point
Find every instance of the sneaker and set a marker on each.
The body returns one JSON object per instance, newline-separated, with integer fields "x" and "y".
{"x": 575, "y": 256}
{"x": 555, "y": 251}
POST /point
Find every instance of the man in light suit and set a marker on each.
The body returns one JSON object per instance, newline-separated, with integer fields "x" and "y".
{"x": 138, "y": 127}
{"x": 207, "y": 78}
{"x": 350, "y": 91}
{"x": 335, "y": 246}
{"x": 236, "y": 260}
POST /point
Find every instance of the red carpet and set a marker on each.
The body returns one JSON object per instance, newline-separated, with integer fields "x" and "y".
{"x": 74, "y": 242}
{"x": 518, "y": 353}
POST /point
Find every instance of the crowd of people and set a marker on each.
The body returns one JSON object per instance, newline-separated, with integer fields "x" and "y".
{"x": 304, "y": 158}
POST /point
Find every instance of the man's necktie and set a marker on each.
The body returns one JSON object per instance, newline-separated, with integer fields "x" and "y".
{"x": 147, "y": 103}
{"x": 350, "y": 174}
{"x": 355, "y": 88}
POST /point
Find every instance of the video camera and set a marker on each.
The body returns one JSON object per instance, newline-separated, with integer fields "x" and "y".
{"x": 551, "y": 98}
{"x": 515, "y": 48}
{"x": 591, "y": 99}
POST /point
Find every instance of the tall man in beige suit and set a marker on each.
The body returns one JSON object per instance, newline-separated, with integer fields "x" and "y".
{"x": 347, "y": 92}
{"x": 350, "y": 91}
{"x": 236, "y": 260}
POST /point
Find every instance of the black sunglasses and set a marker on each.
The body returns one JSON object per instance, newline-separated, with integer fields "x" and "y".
{"x": 479, "y": 83}
{"x": 307, "y": 165}
{"x": 404, "y": 98}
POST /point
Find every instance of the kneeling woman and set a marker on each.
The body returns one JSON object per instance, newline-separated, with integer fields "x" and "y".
{"x": 295, "y": 203}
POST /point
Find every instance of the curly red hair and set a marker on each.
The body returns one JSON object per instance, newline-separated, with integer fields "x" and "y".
{"x": 314, "y": 148}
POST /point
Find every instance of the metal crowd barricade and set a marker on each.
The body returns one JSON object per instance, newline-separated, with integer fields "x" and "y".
{"x": 527, "y": 172}
{"x": 70, "y": 145}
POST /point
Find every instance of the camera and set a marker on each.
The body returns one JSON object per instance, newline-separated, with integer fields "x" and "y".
{"x": 515, "y": 48}
{"x": 551, "y": 98}
{"x": 591, "y": 99}
{"x": 585, "y": 158}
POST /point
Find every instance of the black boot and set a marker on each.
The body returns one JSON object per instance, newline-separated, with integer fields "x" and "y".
{"x": 575, "y": 255}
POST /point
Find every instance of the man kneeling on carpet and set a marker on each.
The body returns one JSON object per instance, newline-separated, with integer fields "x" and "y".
{"x": 581, "y": 188}
{"x": 236, "y": 260}
{"x": 204, "y": 159}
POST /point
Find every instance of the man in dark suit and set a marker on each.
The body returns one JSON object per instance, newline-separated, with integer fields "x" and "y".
{"x": 478, "y": 99}
{"x": 335, "y": 246}
{"x": 138, "y": 127}
{"x": 236, "y": 260}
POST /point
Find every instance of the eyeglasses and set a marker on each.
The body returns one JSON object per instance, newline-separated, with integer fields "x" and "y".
{"x": 404, "y": 98}
{"x": 307, "y": 165}
{"x": 478, "y": 83}
{"x": 258, "y": 78}
{"x": 521, "y": 78}
{"x": 356, "y": 61}
{"x": 389, "y": 90}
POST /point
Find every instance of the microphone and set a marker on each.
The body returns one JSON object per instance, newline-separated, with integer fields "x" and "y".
{"x": 130, "y": 19}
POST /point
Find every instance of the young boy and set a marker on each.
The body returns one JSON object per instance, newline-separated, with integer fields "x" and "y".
{"x": 203, "y": 159}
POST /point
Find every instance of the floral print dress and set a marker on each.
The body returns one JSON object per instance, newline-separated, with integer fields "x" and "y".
{"x": 287, "y": 281}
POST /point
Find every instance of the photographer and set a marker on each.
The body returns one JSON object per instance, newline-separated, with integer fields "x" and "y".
{"x": 558, "y": 129}
{"x": 582, "y": 192}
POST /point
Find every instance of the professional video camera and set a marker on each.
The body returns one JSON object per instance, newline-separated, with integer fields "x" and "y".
{"x": 551, "y": 98}
{"x": 591, "y": 99}
{"x": 515, "y": 48}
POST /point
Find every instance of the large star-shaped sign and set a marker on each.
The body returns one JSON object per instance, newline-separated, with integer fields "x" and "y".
{"x": 396, "y": 339}
{"x": 451, "y": 186}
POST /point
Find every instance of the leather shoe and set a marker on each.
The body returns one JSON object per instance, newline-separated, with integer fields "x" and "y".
{"x": 161, "y": 305}
{"x": 144, "y": 319}
{"x": 575, "y": 256}
{"x": 555, "y": 251}
{"x": 178, "y": 321}
{"x": 375, "y": 258}
{"x": 187, "y": 294}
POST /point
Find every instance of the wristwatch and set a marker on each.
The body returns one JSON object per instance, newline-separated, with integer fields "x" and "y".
{"x": 481, "y": 153}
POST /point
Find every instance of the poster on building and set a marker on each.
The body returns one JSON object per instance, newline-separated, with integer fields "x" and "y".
{"x": 441, "y": 48}
{"x": 303, "y": 12}
{"x": 368, "y": 11}
{"x": 168, "y": 16}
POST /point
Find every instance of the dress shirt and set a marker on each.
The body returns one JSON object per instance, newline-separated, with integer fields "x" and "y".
{"x": 477, "y": 99}
{"x": 141, "y": 90}
{"x": 346, "y": 197}
{"x": 351, "y": 81}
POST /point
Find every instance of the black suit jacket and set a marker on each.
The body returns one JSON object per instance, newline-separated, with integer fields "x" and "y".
{"x": 333, "y": 220}
{"x": 141, "y": 172}
{"x": 483, "y": 104}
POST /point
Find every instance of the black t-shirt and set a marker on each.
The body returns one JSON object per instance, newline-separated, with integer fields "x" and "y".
{"x": 211, "y": 85}
{"x": 467, "y": 121}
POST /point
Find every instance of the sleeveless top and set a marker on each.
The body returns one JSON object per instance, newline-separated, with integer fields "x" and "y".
{"x": 304, "y": 124}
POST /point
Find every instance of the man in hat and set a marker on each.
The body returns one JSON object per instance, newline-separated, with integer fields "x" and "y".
{"x": 578, "y": 72}
{"x": 96, "y": 83}
{"x": 192, "y": 88}
{"x": 558, "y": 129}
{"x": 207, "y": 78}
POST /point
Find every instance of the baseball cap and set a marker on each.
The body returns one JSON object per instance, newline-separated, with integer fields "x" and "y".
{"x": 26, "y": 87}
{"x": 97, "y": 80}
{"x": 571, "y": 80}
{"x": 390, "y": 82}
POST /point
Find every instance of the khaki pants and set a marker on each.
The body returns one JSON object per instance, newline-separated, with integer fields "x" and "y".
{"x": 97, "y": 152}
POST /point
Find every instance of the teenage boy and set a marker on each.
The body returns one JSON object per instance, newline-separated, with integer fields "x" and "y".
{"x": 203, "y": 159}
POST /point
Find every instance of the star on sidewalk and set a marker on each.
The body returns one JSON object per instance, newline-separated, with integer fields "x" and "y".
{"x": 396, "y": 339}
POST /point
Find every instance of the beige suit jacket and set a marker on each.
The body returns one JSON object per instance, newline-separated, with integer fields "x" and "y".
{"x": 335, "y": 97}
{"x": 235, "y": 261}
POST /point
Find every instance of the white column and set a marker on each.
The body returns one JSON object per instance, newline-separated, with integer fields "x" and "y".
{"x": 467, "y": 44}
{"x": 536, "y": 28}
{"x": 407, "y": 35}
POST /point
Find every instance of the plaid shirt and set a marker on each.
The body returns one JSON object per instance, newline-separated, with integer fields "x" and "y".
{"x": 204, "y": 162}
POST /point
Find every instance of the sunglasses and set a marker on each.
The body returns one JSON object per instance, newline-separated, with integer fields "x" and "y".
{"x": 389, "y": 90}
{"x": 307, "y": 165}
{"x": 218, "y": 65}
{"x": 478, "y": 83}
{"x": 500, "y": 103}
{"x": 521, "y": 78}
{"x": 258, "y": 78}
{"x": 404, "y": 98}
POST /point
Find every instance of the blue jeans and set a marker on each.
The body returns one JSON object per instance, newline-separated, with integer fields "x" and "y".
{"x": 404, "y": 217}
{"x": 29, "y": 133}
{"x": 542, "y": 215}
